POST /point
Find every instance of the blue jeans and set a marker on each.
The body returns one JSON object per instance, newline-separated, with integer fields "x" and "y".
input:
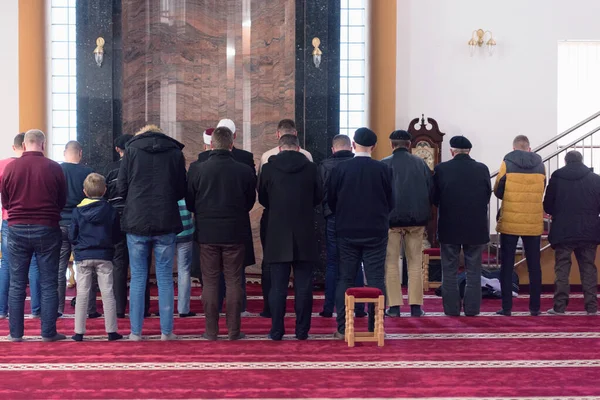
{"x": 164, "y": 253}
{"x": 331, "y": 271}
{"x": 23, "y": 242}
{"x": 34, "y": 275}
{"x": 184, "y": 280}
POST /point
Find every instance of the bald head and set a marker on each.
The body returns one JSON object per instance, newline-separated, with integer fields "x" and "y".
{"x": 73, "y": 152}
{"x": 34, "y": 140}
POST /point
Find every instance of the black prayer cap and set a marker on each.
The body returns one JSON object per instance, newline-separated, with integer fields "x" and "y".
{"x": 460, "y": 142}
{"x": 400, "y": 135}
{"x": 365, "y": 137}
{"x": 122, "y": 140}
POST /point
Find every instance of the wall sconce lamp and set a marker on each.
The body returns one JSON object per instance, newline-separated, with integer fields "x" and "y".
{"x": 478, "y": 39}
{"x": 317, "y": 53}
{"x": 99, "y": 51}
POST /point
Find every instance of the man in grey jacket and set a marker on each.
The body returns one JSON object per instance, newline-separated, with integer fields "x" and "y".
{"x": 412, "y": 185}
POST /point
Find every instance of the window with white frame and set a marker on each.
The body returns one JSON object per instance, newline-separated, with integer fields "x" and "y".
{"x": 63, "y": 70}
{"x": 353, "y": 100}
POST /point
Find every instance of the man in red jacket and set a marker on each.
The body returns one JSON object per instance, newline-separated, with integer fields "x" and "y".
{"x": 34, "y": 193}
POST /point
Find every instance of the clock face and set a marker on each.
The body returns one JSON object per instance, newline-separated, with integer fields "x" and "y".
{"x": 426, "y": 152}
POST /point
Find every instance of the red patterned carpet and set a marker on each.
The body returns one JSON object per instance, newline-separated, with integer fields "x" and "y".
{"x": 487, "y": 357}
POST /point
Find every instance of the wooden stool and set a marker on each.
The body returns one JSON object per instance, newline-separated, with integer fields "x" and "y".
{"x": 428, "y": 255}
{"x": 364, "y": 295}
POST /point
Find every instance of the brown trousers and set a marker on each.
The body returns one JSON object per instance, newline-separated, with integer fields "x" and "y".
{"x": 229, "y": 259}
{"x": 586, "y": 257}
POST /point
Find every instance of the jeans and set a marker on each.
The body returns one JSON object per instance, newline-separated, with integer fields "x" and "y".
{"x": 164, "y": 253}
{"x": 65, "y": 256}
{"x": 184, "y": 280}
{"x": 280, "y": 277}
{"x": 23, "y": 242}
{"x": 508, "y": 247}
{"x": 371, "y": 252}
{"x": 585, "y": 253}
{"x": 34, "y": 275}
{"x": 450, "y": 291}
{"x": 331, "y": 272}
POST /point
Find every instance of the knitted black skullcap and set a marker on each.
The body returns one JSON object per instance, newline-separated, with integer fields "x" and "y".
{"x": 365, "y": 137}
{"x": 400, "y": 135}
{"x": 460, "y": 142}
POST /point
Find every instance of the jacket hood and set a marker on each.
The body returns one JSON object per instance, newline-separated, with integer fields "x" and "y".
{"x": 343, "y": 154}
{"x": 94, "y": 211}
{"x": 152, "y": 140}
{"x": 573, "y": 171}
{"x": 524, "y": 159}
{"x": 289, "y": 161}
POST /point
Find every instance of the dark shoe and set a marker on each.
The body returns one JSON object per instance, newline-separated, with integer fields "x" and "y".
{"x": 239, "y": 336}
{"x": 416, "y": 311}
{"x": 147, "y": 314}
{"x": 94, "y": 315}
{"x": 209, "y": 337}
{"x": 471, "y": 315}
{"x": 302, "y": 336}
{"x": 393, "y": 311}
{"x": 54, "y": 338}
{"x": 360, "y": 314}
{"x": 535, "y": 313}
{"x": 73, "y": 302}
{"x": 326, "y": 314}
{"x": 506, "y": 313}
{"x": 78, "y": 337}
{"x": 265, "y": 314}
{"x": 58, "y": 315}
{"x": 189, "y": 314}
{"x": 339, "y": 336}
{"x": 114, "y": 336}
{"x": 157, "y": 314}
{"x": 276, "y": 338}
{"x": 121, "y": 315}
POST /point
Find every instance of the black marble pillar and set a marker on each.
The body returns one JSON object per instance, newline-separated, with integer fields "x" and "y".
{"x": 318, "y": 89}
{"x": 98, "y": 88}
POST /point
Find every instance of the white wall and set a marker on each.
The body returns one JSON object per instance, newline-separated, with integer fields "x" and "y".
{"x": 488, "y": 99}
{"x": 9, "y": 75}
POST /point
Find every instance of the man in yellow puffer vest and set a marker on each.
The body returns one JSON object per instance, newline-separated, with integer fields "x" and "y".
{"x": 520, "y": 185}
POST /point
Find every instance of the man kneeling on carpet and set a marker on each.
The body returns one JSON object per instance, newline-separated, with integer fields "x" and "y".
{"x": 94, "y": 231}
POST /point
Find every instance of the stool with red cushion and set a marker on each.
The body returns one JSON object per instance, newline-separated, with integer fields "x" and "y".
{"x": 364, "y": 295}
{"x": 428, "y": 255}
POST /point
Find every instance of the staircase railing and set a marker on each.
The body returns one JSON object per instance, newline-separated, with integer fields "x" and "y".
{"x": 552, "y": 161}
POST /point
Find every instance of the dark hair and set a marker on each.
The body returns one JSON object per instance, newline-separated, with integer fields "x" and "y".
{"x": 122, "y": 140}
{"x": 94, "y": 185}
{"x": 400, "y": 143}
{"x": 19, "y": 139}
{"x": 341, "y": 141}
{"x": 288, "y": 141}
{"x": 222, "y": 139}
{"x": 286, "y": 127}
{"x": 521, "y": 142}
{"x": 573, "y": 156}
{"x": 73, "y": 144}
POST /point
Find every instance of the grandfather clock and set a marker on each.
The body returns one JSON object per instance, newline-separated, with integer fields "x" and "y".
{"x": 427, "y": 143}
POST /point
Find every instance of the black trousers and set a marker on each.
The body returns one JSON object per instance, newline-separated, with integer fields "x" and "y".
{"x": 280, "y": 276}
{"x": 265, "y": 278}
{"x": 120, "y": 271}
{"x": 450, "y": 289}
{"x": 352, "y": 252}
{"x": 508, "y": 247}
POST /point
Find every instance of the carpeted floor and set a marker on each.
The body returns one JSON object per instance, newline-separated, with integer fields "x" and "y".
{"x": 487, "y": 357}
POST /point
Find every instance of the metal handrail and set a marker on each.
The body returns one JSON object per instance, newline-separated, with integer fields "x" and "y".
{"x": 560, "y": 136}
{"x": 573, "y": 143}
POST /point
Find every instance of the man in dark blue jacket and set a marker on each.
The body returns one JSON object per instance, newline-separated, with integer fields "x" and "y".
{"x": 360, "y": 194}
{"x": 341, "y": 147}
{"x": 462, "y": 194}
{"x": 573, "y": 200}
{"x": 94, "y": 230}
{"x": 412, "y": 208}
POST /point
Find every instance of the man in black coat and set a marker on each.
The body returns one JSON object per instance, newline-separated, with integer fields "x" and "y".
{"x": 462, "y": 195}
{"x": 341, "y": 147}
{"x": 573, "y": 200}
{"x": 247, "y": 158}
{"x": 221, "y": 193}
{"x": 152, "y": 179}
{"x": 289, "y": 188}
{"x": 360, "y": 194}
{"x": 413, "y": 189}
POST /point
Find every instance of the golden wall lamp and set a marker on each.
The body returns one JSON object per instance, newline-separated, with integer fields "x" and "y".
{"x": 317, "y": 53}
{"x": 478, "y": 40}
{"x": 99, "y": 51}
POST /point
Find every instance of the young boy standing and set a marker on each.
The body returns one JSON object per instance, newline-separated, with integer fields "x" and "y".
{"x": 94, "y": 231}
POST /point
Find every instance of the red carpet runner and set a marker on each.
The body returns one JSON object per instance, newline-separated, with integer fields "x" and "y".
{"x": 487, "y": 357}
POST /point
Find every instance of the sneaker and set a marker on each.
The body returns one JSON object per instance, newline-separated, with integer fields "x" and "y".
{"x": 552, "y": 311}
{"x": 535, "y": 313}
{"x": 187, "y": 314}
{"x": 168, "y": 337}
{"x": 393, "y": 311}
{"x": 78, "y": 337}
{"x": 135, "y": 338}
{"x": 245, "y": 314}
{"x": 506, "y": 313}
{"x": 14, "y": 339}
{"x": 54, "y": 338}
{"x": 338, "y": 336}
{"x": 326, "y": 314}
{"x": 209, "y": 337}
